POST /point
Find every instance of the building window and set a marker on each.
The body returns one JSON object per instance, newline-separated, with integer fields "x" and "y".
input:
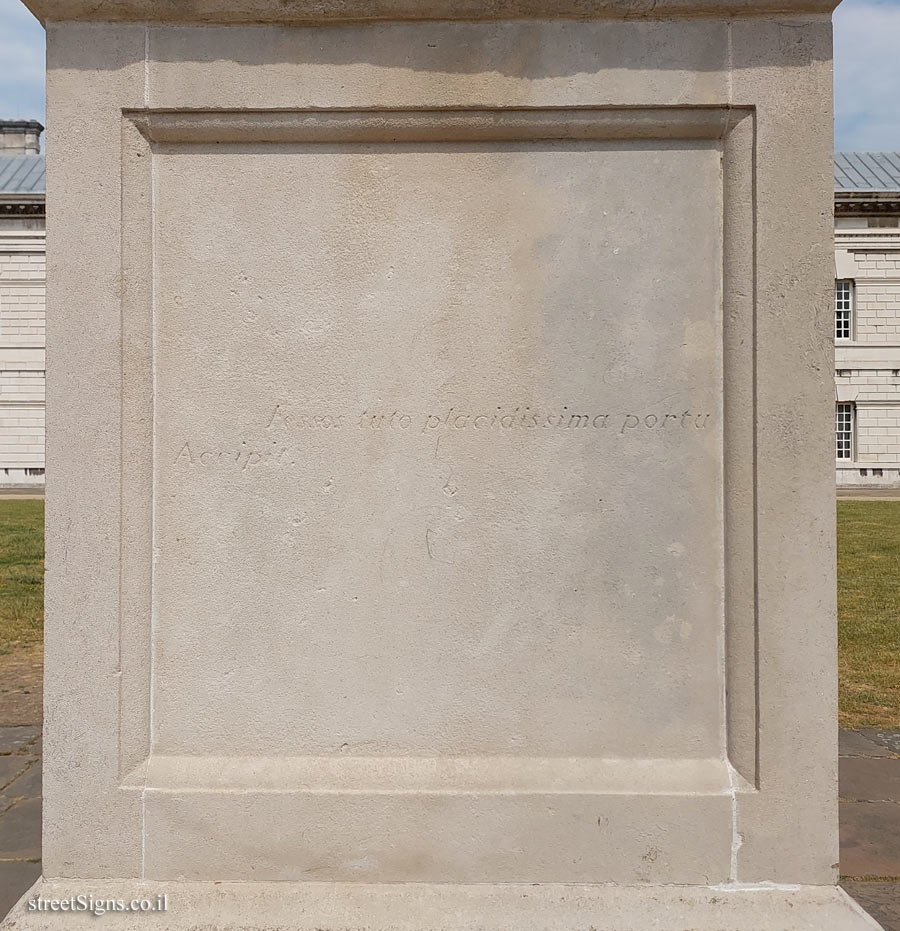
{"x": 843, "y": 308}
{"x": 843, "y": 430}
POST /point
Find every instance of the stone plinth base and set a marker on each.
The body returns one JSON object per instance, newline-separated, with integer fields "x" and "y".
{"x": 420, "y": 907}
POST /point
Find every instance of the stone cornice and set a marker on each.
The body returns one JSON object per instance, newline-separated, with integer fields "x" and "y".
{"x": 854, "y": 203}
{"x": 15, "y": 207}
{"x": 308, "y": 12}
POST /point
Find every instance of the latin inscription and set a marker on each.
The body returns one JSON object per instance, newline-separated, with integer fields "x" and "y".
{"x": 286, "y": 422}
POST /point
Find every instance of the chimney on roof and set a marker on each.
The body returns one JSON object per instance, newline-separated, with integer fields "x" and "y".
{"x": 20, "y": 137}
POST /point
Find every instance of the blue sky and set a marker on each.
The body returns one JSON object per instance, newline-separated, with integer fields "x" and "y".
{"x": 866, "y": 76}
{"x": 21, "y": 63}
{"x": 866, "y": 71}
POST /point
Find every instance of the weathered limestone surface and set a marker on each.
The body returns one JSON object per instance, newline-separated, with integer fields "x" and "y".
{"x": 336, "y": 11}
{"x": 410, "y": 907}
{"x": 451, "y": 553}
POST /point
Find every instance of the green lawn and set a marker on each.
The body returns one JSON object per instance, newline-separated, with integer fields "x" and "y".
{"x": 868, "y": 599}
{"x": 21, "y": 571}
{"x": 869, "y": 612}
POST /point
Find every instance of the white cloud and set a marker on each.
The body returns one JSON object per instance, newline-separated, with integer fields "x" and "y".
{"x": 867, "y": 75}
{"x": 21, "y": 63}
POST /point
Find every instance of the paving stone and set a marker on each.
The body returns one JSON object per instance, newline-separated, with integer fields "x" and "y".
{"x": 869, "y": 780}
{"x": 853, "y": 743}
{"x": 21, "y": 692}
{"x": 26, "y": 785}
{"x": 11, "y": 767}
{"x": 885, "y": 737}
{"x": 16, "y": 878}
{"x": 870, "y": 839}
{"x": 880, "y": 900}
{"x": 17, "y": 739}
{"x": 20, "y": 831}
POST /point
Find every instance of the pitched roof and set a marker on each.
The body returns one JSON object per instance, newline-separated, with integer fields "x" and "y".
{"x": 22, "y": 174}
{"x": 866, "y": 171}
{"x": 853, "y": 171}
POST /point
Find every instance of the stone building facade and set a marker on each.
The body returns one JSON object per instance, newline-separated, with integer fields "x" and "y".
{"x": 867, "y": 318}
{"x": 867, "y": 312}
{"x": 22, "y": 286}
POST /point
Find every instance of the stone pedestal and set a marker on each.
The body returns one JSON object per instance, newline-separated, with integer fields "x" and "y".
{"x": 440, "y": 487}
